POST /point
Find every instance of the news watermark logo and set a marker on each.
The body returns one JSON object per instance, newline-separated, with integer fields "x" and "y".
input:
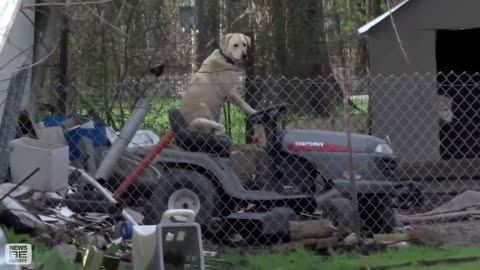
{"x": 18, "y": 254}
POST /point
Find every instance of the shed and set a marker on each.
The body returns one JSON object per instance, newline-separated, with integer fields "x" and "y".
{"x": 438, "y": 36}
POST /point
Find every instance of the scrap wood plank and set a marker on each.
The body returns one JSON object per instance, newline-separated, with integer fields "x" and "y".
{"x": 317, "y": 229}
{"x": 393, "y": 237}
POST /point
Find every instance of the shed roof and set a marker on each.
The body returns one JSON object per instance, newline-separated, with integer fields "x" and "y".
{"x": 380, "y": 18}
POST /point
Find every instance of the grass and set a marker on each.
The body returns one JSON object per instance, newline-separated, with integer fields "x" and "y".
{"x": 300, "y": 259}
{"x": 305, "y": 260}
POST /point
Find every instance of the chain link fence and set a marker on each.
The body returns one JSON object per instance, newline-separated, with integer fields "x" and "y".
{"x": 322, "y": 158}
{"x": 391, "y": 151}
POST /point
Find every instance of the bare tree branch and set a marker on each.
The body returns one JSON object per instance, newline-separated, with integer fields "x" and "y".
{"x": 396, "y": 32}
{"x": 104, "y": 21}
{"x": 68, "y": 4}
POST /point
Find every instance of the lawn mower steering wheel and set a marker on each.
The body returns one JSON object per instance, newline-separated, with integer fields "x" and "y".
{"x": 272, "y": 112}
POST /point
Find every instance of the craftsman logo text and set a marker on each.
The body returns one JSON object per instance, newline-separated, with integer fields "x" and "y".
{"x": 19, "y": 254}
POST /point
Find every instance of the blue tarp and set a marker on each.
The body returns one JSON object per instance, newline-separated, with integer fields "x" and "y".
{"x": 98, "y": 134}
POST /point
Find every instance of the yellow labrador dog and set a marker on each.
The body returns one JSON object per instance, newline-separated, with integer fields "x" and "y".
{"x": 215, "y": 83}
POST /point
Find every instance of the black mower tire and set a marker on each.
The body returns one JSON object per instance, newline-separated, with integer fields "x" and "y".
{"x": 176, "y": 179}
{"x": 415, "y": 196}
{"x": 378, "y": 215}
{"x": 340, "y": 212}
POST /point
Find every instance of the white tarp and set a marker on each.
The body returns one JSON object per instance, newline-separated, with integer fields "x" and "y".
{"x": 16, "y": 43}
{"x": 10, "y": 9}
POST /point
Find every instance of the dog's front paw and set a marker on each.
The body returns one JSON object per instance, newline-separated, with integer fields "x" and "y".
{"x": 217, "y": 126}
{"x": 219, "y": 129}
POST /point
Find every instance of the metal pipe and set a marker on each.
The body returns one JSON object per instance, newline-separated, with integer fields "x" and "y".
{"x": 132, "y": 177}
{"x": 105, "y": 192}
{"x": 110, "y": 160}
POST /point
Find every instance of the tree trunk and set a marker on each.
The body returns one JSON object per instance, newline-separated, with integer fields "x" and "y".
{"x": 235, "y": 21}
{"x": 250, "y": 89}
{"x": 236, "y": 16}
{"x": 362, "y": 66}
{"x": 277, "y": 8}
{"x": 208, "y": 23}
{"x": 46, "y": 31}
{"x": 202, "y": 35}
{"x": 63, "y": 68}
{"x": 333, "y": 30}
{"x": 310, "y": 58}
{"x": 213, "y": 25}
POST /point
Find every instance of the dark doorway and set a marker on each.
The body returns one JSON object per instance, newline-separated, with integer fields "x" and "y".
{"x": 458, "y": 64}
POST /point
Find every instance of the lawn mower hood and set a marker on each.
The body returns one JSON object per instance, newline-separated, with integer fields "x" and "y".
{"x": 374, "y": 158}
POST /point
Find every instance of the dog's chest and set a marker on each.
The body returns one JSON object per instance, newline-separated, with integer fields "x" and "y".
{"x": 227, "y": 79}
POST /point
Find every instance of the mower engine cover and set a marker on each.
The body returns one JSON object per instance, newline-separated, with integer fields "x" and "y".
{"x": 374, "y": 158}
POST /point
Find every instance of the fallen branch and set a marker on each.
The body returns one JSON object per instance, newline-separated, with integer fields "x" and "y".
{"x": 438, "y": 217}
{"x": 459, "y": 209}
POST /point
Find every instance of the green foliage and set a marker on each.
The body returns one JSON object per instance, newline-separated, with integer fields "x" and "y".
{"x": 157, "y": 118}
{"x": 353, "y": 14}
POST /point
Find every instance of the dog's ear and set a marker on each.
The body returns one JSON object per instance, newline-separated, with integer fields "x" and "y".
{"x": 224, "y": 39}
{"x": 249, "y": 40}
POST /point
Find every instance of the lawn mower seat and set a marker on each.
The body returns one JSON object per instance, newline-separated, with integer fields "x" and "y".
{"x": 194, "y": 141}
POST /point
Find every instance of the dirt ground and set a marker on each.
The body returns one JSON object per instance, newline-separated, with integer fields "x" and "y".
{"x": 464, "y": 232}
{"x": 458, "y": 232}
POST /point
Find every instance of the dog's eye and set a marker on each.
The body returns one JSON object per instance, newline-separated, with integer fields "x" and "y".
{"x": 244, "y": 45}
{"x": 235, "y": 45}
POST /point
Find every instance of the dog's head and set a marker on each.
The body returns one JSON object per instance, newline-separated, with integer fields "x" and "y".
{"x": 445, "y": 105}
{"x": 234, "y": 46}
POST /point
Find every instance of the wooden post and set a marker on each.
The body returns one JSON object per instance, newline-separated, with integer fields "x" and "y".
{"x": 250, "y": 88}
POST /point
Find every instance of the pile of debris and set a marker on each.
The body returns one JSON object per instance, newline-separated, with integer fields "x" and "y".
{"x": 414, "y": 229}
{"x": 50, "y": 222}
{"x": 59, "y": 191}
{"x": 53, "y": 190}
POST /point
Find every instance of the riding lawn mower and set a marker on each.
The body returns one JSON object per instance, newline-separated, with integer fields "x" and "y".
{"x": 306, "y": 173}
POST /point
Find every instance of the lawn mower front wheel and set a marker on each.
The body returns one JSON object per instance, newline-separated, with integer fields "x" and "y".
{"x": 184, "y": 189}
